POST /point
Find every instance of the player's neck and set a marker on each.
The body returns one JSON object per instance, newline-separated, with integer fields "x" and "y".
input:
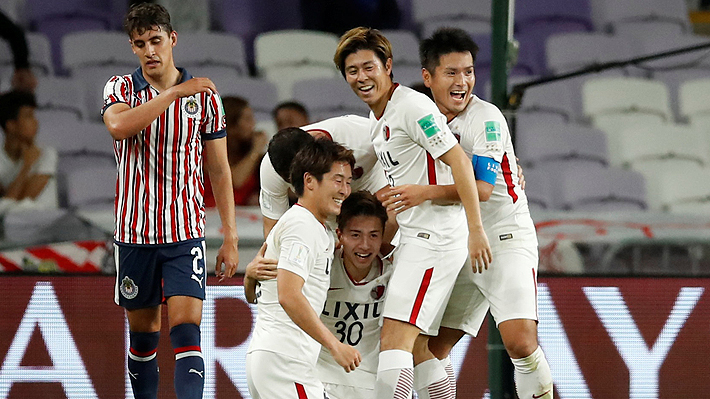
{"x": 311, "y": 204}
{"x": 355, "y": 273}
{"x": 166, "y": 80}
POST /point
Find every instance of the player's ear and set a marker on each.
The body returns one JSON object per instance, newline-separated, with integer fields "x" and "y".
{"x": 308, "y": 180}
{"x": 388, "y": 66}
{"x": 173, "y": 38}
{"x": 426, "y": 77}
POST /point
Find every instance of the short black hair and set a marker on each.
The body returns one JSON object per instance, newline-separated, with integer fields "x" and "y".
{"x": 284, "y": 146}
{"x": 294, "y": 105}
{"x": 361, "y": 203}
{"x": 143, "y": 17}
{"x": 317, "y": 158}
{"x": 10, "y": 104}
{"x": 445, "y": 41}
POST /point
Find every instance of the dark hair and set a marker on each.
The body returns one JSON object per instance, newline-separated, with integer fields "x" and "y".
{"x": 234, "y": 108}
{"x": 317, "y": 158}
{"x": 284, "y": 146}
{"x": 294, "y": 105}
{"x": 445, "y": 41}
{"x": 361, "y": 203}
{"x": 10, "y": 104}
{"x": 361, "y": 38}
{"x": 143, "y": 17}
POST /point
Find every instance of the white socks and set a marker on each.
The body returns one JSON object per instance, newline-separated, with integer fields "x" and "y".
{"x": 446, "y": 363}
{"x": 431, "y": 381}
{"x": 532, "y": 376}
{"x": 395, "y": 375}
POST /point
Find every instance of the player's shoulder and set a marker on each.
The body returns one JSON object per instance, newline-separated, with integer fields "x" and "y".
{"x": 411, "y": 104}
{"x": 480, "y": 108}
{"x": 336, "y": 124}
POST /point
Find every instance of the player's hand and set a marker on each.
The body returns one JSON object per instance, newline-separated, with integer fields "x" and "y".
{"x": 194, "y": 86}
{"x": 260, "y": 142}
{"x": 228, "y": 255}
{"x": 399, "y": 199}
{"x": 30, "y": 154}
{"x": 521, "y": 177}
{"x": 479, "y": 249}
{"x": 24, "y": 80}
{"x": 261, "y": 268}
{"x": 346, "y": 356}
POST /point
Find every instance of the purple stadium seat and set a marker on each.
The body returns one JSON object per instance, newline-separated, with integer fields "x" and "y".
{"x": 561, "y": 144}
{"x": 326, "y": 98}
{"x": 607, "y": 14}
{"x": 581, "y": 188}
{"x": 261, "y": 94}
{"x": 537, "y": 189}
{"x": 532, "y": 12}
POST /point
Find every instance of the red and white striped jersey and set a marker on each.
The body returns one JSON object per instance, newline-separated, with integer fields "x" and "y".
{"x": 409, "y": 138}
{"x": 483, "y": 131}
{"x": 159, "y": 190}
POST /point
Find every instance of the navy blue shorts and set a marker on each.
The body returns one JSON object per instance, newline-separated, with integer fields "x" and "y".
{"x": 146, "y": 275}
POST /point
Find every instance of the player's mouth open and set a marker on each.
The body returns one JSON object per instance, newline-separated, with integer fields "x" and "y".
{"x": 365, "y": 89}
{"x": 363, "y": 256}
{"x": 458, "y": 94}
{"x": 338, "y": 201}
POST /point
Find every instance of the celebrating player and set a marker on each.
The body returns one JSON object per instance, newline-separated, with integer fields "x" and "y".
{"x": 161, "y": 118}
{"x": 287, "y": 338}
{"x": 415, "y": 146}
{"x": 509, "y": 289}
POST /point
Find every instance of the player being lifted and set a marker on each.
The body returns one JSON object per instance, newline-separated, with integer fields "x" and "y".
{"x": 509, "y": 289}
{"x": 161, "y": 118}
{"x": 288, "y": 334}
{"x": 415, "y": 146}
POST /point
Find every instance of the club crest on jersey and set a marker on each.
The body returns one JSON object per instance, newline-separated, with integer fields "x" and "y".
{"x": 129, "y": 289}
{"x": 386, "y": 132}
{"x": 377, "y": 292}
{"x": 357, "y": 172}
{"x": 192, "y": 108}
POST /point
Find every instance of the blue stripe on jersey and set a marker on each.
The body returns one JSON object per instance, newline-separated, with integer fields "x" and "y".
{"x": 486, "y": 169}
{"x": 216, "y": 135}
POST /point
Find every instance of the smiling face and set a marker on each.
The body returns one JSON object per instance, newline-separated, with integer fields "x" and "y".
{"x": 328, "y": 194}
{"x": 361, "y": 239}
{"x": 369, "y": 78}
{"x": 154, "y": 49}
{"x": 451, "y": 82}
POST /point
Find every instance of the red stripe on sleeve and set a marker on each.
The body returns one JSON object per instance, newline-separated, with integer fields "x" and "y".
{"x": 431, "y": 169}
{"x": 507, "y": 176}
{"x": 420, "y": 295}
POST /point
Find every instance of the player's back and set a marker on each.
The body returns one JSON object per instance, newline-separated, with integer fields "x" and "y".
{"x": 484, "y": 132}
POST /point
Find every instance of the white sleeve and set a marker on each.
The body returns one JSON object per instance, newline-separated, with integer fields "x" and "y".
{"x": 297, "y": 250}
{"x": 490, "y": 132}
{"x": 273, "y": 196}
{"x": 426, "y": 126}
{"x": 46, "y": 164}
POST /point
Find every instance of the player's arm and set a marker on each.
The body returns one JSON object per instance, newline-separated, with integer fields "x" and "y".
{"x": 297, "y": 307}
{"x": 123, "y": 121}
{"x": 221, "y": 177}
{"x": 465, "y": 181}
{"x": 400, "y": 198}
{"x": 258, "y": 269}
{"x": 268, "y": 224}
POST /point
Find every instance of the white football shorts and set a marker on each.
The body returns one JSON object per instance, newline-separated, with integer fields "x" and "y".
{"x": 270, "y": 376}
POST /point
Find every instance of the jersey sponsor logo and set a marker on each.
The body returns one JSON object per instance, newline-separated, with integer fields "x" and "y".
{"x": 298, "y": 254}
{"x": 129, "y": 289}
{"x": 429, "y": 126}
{"x": 504, "y": 237}
{"x": 493, "y": 131}
{"x": 352, "y": 310}
{"x": 386, "y": 159}
{"x": 192, "y": 108}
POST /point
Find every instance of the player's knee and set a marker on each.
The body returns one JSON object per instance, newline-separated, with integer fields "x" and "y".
{"x": 521, "y": 347}
{"x": 398, "y": 335}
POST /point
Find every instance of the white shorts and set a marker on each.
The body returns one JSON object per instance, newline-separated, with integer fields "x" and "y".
{"x": 421, "y": 284}
{"x": 273, "y": 376}
{"x": 336, "y": 391}
{"x": 508, "y": 287}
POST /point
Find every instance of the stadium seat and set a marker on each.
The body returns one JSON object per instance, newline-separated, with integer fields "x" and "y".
{"x": 210, "y": 49}
{"x": 91, "y": 188}
{"x": 73, "y": 137}
{"x": 673, "y": 184}
{"x": 550, "y": 98}
{"x": 40, "y": 57}
{"x": 326, "y": 98}
{"x": 655, "y": 142}
{"x": 33, "y": 225}
{"x": 56, "y": 27}
{"x": 405, "y": 56}
{"x": 94, "y": 79}
{"x": 472, "y": 16}
{"x": 96, "y": 48}
{"x": 285, "y": 57}
{"x": 537, "y": 189}
{"x": 530, "y": 13}
{"x": 261, "y": 94}
{"x": 600, "y": 190}
{"x": 571, "y": 51}
{"x": 561, "y": 144}
{"x": 52, "y": 94}
{"x": 609, "y": 14}
{"x": 694, "y": 97}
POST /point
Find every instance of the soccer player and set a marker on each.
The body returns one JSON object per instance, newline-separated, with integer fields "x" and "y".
{"x": 288, "y": 334}
{"x": 509, "y": 289}
{"x": 349, "y": 131}
{"x": 161, "y": 118}
{"x": 353, "y": 306}
{"x": 290, "y": 114}
{"x": 414, "y": 146}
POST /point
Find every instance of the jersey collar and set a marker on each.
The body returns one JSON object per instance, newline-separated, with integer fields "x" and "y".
{"x": 139, "y": 82}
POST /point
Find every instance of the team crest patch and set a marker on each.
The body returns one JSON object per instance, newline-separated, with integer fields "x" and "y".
{"x": 129, "y": 289}
{"x": 192, "y": 107}
{"x": 377, "y": 292}
{"x": 386, "y": 131}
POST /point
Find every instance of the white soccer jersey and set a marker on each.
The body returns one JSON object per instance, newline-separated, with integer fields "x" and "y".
{"x": 352, "y": 313}
{"x": 303, "y": 246}
{"x": 409, "y": 138}
{"x": 159, "y": 191}
{"x": 484, "y": 132}
{"x": 350, "y": 131}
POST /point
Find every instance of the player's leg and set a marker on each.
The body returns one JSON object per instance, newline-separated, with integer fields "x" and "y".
{"x": 270, "y": 375}
{"x": 441, "y": 346}
{"x": 138, "y": 290}
{"x": 532, "y": 372}
{"x": 431, "y": 380}
{"x": 395, "y": 370}
{"x": 183, "y": 286}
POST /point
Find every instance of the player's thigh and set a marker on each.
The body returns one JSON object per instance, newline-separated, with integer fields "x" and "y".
{"x": 270, "y": 375}
{"x": 184, "y": 271}
{"x": 510, "y": 284}
{"x": 467, "y": 307}
{"x": 421, "y": 284}
{"x": 336, "y": 391}
{"x": 184, "y": 309}
{"x": 138, "y": 277}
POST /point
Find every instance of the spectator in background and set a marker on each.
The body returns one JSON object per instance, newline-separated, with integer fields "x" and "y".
{"x": 26, "y": 170}
{"x": 290, "y": 114}
{"x": 23, "y": 79}
{"x": 245, "y": 148}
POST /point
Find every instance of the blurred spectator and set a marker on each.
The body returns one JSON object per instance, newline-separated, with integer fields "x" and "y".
{"x": 26, "y": 170}
{"x": 245, "y": 148}
{"x": 290, "y": 114}
{"x": 23, "y": 79}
